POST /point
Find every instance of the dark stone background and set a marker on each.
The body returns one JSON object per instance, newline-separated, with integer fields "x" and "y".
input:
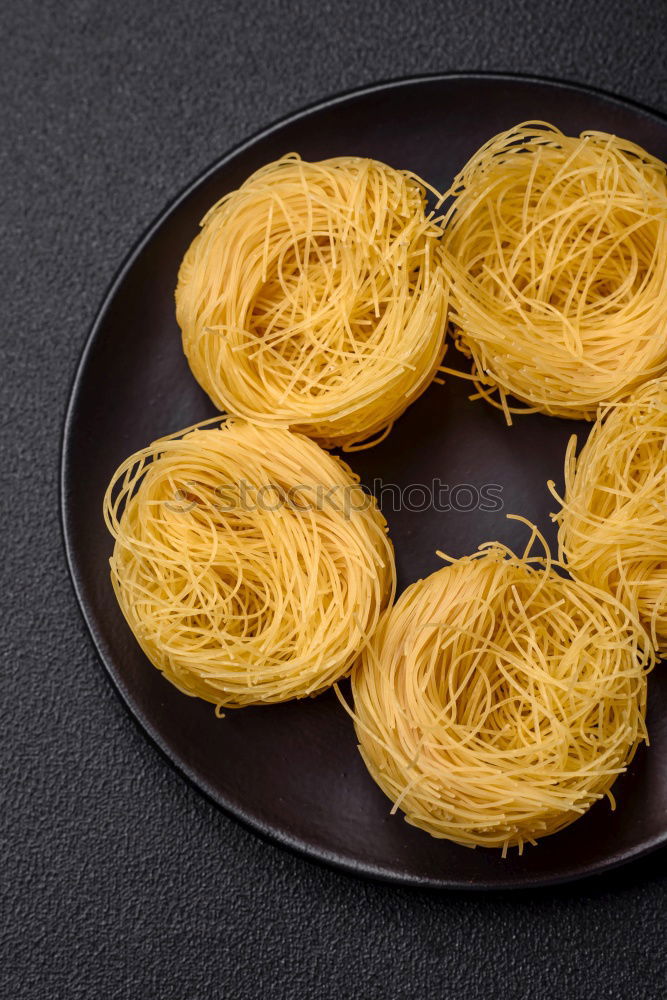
{"x": 119, "y": 880}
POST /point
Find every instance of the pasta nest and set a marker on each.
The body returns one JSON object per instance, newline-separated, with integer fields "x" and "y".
{"x": 557, "y": 253}
{"x": 613, "y": 521}
{"x": 314, "y": 297}
{"x": 498, "y": 700}
{"x": 248, "y": 562}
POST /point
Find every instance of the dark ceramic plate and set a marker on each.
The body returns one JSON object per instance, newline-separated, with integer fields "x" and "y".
{"x": 292, "y": 772}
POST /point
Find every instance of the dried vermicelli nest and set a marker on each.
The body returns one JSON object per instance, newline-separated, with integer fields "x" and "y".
{"x": 314, "y": 297}
{"x": 613, "y": 521}
{"x": 248, "y": 562}
{"x": 557, "y": 253}
{"x": 498, "y": 700}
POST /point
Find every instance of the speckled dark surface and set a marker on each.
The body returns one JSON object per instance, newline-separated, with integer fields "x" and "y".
{"x": 119, "y": 880}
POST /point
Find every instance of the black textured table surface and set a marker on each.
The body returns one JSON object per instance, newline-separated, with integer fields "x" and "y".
{"x": 119, "y": 880}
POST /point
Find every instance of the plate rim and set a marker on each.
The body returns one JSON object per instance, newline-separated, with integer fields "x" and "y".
{"x": 294, "y": 844}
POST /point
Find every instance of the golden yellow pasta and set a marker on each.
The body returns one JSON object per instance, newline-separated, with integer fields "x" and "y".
{"x": 248, "y": 562}
{"x": 557, "y": 252}
{"x": 613, "y": 521}
{"x": 498, "y": 700}
{"x": 314, "y": 297}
